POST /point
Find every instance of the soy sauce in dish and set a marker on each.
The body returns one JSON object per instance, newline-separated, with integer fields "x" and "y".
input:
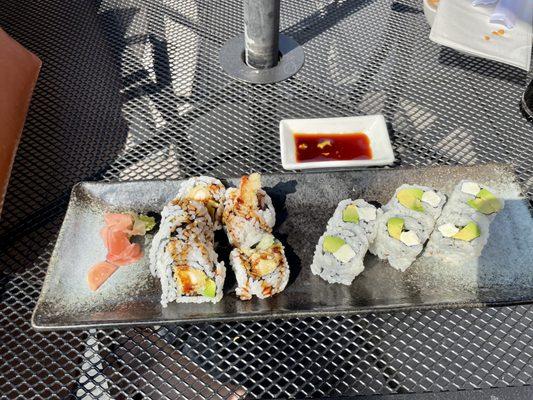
{"x": 332, "y": 146}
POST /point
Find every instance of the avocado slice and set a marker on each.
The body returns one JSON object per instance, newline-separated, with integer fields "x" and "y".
{"x": 350, "y": 214}
{"x": 332, "y": 243}
{"x": 485, "y": 202}
{"x": 411, "y": 198}
{"x": 210, "y": 289}
{"x": 468, "y": 233}
{"x": 395, "y": 227}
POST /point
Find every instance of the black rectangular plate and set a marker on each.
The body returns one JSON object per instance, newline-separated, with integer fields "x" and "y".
{"x": 304, "y": 203}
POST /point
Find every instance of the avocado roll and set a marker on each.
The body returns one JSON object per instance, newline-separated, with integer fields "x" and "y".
{"x": 401, "y": 236}
{"x": 262, "y": 270}
{"x": 248, "y": 213}
{"x": 462, "y": 231}
{"x": 352, "y": 214}
{"x": 421, "y": 199}
{"x": 339, "y": 255}
{"x": 208, "y": 191}
{"x": 458, "y": 237}
{"x": 470, "y": 197}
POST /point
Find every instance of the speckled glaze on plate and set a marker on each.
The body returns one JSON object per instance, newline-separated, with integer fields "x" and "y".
{"x": 304, "y": 203}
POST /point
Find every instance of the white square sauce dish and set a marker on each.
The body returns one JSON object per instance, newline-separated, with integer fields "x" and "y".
{"x": 335, "y": 142}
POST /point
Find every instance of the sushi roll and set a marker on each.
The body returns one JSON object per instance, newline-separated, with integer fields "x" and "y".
{"x": 471, "y": 197}
{"x": 401, "y": 236}
{"x": 458, "y": 238}
{"x": 462, "y": 231}
{"x": 261, "y": 271}
{"x": 208, "y": 191}
{"x": 184, "y": 220}
{"x": 339, "y": 255}
{"x": 358, "y": 213}
{"x": 189, "y": 272}
{"x": 182, "y": 254}
{"x": 417, "y": 198}
{"x": 248, "y": 213}
{"x": 258, "y": 258}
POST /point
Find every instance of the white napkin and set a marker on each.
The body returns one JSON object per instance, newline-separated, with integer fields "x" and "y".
{"x": 466, "y": 28}
{"x": 507, "y": 12}
{"x": 483, "y": 2}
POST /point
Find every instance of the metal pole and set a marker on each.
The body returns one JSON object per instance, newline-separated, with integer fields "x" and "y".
{"x": 261, "y": 54}
{"x": 261, "y": 33}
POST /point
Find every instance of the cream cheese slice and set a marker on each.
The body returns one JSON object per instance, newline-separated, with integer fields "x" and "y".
{"x": 344, "y": 254}
{"x": 409, "y": 238}
{"x": 367, "y": 213}
{"x": 431, "y": 198}
{"x": 470, "y": 188}
{"x": 448, "y": 230}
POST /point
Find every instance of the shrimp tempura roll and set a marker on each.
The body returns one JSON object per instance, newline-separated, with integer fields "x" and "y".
{"x": 258, "y": 258}
{"x": 248, "y": 212}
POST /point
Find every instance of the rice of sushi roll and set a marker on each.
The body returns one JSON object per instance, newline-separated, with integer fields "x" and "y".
{"x": 458, "y": 237}
{"x": 183, "y": 220}
{"x": 463, "y": 228}
{"x": 182, "y": 255}
{"x": 209, "y": 191}
{"x": 339, "y": 255}
{"x": 470, "y": 197}
{"x": 401, "y": 236}
{"x": 261, "y": 271}
{"x": 258, "y": 258}
{"x": 417, "y": 198}
{"x": 189, "y": 272}
{"x": 358, "y": 213}
{"x": 248, "y": 212}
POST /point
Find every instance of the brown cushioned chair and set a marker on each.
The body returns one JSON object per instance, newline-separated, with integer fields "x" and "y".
{"x": 19, "y": 70}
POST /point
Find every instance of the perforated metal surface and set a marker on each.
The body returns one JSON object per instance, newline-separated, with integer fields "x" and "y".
{"x": 133, "y": 90}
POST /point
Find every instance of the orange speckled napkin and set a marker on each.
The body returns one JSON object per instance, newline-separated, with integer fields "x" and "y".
{"x": 463, "y": 27}
{"x": 19, "y": 70}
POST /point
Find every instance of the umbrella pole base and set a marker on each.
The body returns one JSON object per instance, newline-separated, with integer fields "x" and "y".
{"x": 233, "y": 61}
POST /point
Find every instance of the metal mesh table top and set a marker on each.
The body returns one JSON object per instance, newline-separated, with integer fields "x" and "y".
{"x": 132, "y": 89}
